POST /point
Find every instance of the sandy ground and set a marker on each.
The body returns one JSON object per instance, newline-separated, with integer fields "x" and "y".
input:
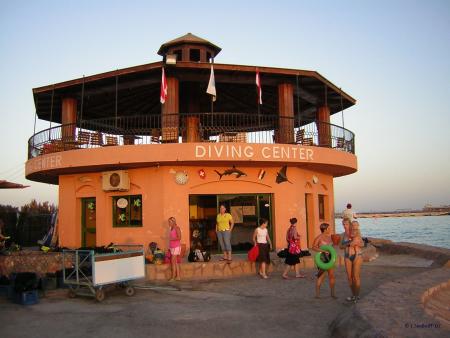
{"x": 243, "y": 307}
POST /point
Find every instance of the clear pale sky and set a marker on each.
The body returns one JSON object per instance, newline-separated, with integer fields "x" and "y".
{"x": 392, "y": 56}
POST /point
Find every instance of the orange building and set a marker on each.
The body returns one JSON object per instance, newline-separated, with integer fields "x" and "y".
{"x": 125, "y": 163}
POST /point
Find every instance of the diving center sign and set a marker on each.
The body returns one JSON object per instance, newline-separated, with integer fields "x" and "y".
{"x": 254, "y": 152}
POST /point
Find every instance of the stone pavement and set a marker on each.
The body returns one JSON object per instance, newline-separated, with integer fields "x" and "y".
{"x": 239, "y": 307}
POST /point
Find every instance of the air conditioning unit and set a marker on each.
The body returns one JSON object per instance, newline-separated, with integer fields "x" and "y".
{"x": 115, "y": 180}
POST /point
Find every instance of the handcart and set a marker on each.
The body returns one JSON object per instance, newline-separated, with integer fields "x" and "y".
{"x": 92, "y": 271}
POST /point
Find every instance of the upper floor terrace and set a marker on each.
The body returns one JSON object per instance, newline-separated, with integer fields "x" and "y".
{"x": 189, "y": 128}
{"x": 123, "y": 108}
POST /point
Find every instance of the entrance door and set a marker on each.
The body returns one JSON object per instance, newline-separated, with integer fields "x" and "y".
{"x": 88, "y": 222}
{"x": 246, "y": 209}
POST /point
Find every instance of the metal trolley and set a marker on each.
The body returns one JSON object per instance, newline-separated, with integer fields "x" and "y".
{"x": 92, "y": 272}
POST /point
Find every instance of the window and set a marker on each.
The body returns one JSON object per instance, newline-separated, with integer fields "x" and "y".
{"x": 323, "y": 207}
{"x": 177, "y": 52}
{"x": 127, "y": 211}
{"x": 194, "y": 55}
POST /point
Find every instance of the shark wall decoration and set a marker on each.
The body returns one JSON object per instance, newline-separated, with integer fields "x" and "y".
{"x": 282, "y": 175}
{"x": 232, "y": 171}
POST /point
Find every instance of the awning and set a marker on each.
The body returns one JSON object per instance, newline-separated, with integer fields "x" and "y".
{"x": 11, "y": 185}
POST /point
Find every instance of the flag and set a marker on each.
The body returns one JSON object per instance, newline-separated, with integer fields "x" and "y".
{"x": 202, "y": 173}
{"x": 211, "y": 90}
{"x": 258, "y": 85}
{"x": 163, "y": 94}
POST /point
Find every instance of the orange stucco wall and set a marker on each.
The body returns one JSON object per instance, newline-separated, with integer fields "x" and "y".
{"x": 162, "y": 197}
{"x": 150, "y": 167}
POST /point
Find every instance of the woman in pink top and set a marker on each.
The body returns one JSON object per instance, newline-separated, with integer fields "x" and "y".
{"x": 175, "y": 248}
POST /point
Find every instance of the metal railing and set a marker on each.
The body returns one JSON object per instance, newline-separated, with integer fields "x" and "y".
{"x": 181, "y": 128}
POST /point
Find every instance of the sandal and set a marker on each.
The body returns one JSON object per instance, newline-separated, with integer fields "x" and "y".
{"x": 300, "y": 276}
{"x": 285, "y": 277}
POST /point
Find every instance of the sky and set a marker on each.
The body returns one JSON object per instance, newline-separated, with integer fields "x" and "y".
{"x": 392, "y": 56}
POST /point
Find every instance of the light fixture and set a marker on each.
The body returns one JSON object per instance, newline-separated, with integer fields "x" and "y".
{"x": 171, "y": 59}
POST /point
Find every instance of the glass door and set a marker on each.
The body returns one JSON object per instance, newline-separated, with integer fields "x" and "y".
{"x": 88, "y": 222}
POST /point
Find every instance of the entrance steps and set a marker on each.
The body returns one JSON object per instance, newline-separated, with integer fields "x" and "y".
{"x": 216, "y": 269}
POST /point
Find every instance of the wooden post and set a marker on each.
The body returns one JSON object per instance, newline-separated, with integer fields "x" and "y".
{"x": 323, "y": 126}
{"x": 68, "y": 117}
{"x": 170, "y": 110}
{"x": 286, "y": 113}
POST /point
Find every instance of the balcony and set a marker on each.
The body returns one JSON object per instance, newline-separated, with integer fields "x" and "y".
{"x": 188, "y": 128}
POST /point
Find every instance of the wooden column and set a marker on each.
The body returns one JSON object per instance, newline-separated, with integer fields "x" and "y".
{"x": 170, "y": 110}
{"x": 286, "y": 113}
{"x": 68, "y": 116}
{"x": 323, "y": 126}
{"x": 192, "y": 123}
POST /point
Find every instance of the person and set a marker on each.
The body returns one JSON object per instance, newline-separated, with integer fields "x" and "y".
{"x": 262, "y": 239}
{"x": 354, "y": 260}
{"x": 292, "y": 259}
{"x": 2, "y": 237}
{"x": 175, "y": 248}
{"x": 345, "y": 241}
{"x": 224, "y": 227}
{"x": 324, "y": 239}
{"x": 349, "y": 213}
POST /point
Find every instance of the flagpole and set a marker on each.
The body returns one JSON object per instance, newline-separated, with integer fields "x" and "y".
{"x": 212, "y": 97}
{"x": 257, "y": 103}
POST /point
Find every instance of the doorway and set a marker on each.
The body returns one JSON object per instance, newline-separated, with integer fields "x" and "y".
{"x": 88, "y": 222}
{"x": 246, "y": 209}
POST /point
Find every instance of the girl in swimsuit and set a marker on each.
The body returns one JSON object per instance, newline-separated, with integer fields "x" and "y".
{"x": 324, "y": 239}
{"x": 355, "y": 244}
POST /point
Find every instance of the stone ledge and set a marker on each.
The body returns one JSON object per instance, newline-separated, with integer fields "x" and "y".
{"x": 436, "y": 302}
{"x": 440, "y": 256}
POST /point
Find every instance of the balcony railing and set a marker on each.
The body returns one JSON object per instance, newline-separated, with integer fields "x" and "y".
{"x": 181, "y": 128}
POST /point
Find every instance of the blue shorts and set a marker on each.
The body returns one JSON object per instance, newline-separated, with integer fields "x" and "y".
{"x": 224, "y": 238}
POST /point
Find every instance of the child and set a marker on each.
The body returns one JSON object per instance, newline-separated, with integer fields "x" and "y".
{"x": 356, "y": 242}
{"x": 324, "y": 239}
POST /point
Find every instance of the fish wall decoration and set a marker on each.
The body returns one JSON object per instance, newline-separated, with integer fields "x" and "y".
{"x": 232, "y": 171}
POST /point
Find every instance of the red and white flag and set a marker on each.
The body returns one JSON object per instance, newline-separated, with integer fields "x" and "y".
{"x": 211, "y": 90}
{"x": 163, "y": 94}
{"x": 258, "y": 84}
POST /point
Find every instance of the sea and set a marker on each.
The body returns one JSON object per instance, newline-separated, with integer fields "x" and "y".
{"x": 430, "y": 230}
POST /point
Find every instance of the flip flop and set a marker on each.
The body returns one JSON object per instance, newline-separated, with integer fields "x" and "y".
{"x": 285, "y": 277}
{"x": 300, "y": 276}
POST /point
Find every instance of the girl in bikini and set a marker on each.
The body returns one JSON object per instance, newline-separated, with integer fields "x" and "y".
{"x": 324, "y": 239}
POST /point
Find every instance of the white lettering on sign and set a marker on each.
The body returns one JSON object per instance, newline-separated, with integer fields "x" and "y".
{"x": 44, "y": 163}
{"x": 226, "y": 151}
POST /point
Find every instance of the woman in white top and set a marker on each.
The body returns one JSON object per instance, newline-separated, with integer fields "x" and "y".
{"x": 262, "y": 239}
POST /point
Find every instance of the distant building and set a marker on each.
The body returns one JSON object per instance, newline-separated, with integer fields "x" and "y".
{"x": 442, "y": 208}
